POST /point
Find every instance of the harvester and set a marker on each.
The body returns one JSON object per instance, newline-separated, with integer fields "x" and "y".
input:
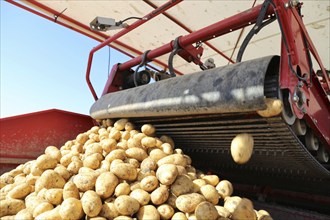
{"x": 184, "y": 87}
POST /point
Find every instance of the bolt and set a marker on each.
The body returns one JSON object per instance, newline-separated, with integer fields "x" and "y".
{"x": 295, "y": 98}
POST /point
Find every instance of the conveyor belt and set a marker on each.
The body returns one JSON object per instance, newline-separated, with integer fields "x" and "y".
{"x": 278, "y": 154}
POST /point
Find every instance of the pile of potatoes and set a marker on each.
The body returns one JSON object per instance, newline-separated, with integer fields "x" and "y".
{"x": 114, "y": 171}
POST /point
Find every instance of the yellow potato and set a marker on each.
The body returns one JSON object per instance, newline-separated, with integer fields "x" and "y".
{"x": 49, "y": 179}
{"x": 167, "y": 148}
{"x": 224, "y": 188}
{"x": 176, "y": 159}
{"x": 136, "y": 153}
{"x": 41, "y": 208}
{"x": 143, "y": 197}
{"x": 124, "y": 171}
{"x": 273, "y": 107}
{"x": 82, "y": 138}
{"x": 116, "y": 154}
{"x": 198, "y": 183}
{"x": 53, "y": 152}
{"x": 54, "y": 196}
{"x": 206, "y": 210}
{"x": 210, "y": 193}
{"x": 85, "y": 181}
{"x": 148, "y": 129}
{"x": 71, "y": 209}
{"x": 92, "y": 162}
{"x": 240, "y": 208}
{"x": 120, "y": 124}
{"x": 171, "y": 200}
{"x": 123, "y": 217}
{"x": 148, "y": 142}
{"x": 32, "y": 201}
{"x": 148, "y": 164}
{"x": 91, "y": 203}
{"x": 70, "y": 190}
{"x": 167, "y": 173}
{"x": 159, "y": 195}
{"x": 46, "y": 162}
{"x": 74, "y": 166}
{"x": 167, "y": 139}
{"x": 149, "y": 183}
{"x": 148, "y": 212}
{"x": 62, "y": 170}
{"x": 165, "y": 211}
{"x": 126, "y": 205}
{"x": 222, "y": 211}
{"x": 189, "y": 202}
{"x": 106, "y": 184}
{"x": 211, "y": 179}
{"x": 182, "y": 185}
{"x": 108, "y": 145}
{"x": 179, "y": 216}
{"x": 93, "y": 148}
{"x": 11, "y": 206}
{"x": 157, "y": 154}
{"x": 24, "y": 214}
{"x": 122, "y": 189}
{"x": 20, "y": 191}
{"x": 241, "y": 148}
{"x": 109, "y": 210}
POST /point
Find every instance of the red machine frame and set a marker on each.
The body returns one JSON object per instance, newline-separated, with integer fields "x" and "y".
{"x": 294, "y": 63}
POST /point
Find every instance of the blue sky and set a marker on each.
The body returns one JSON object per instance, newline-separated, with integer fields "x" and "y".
{"x": 43, "y": 65}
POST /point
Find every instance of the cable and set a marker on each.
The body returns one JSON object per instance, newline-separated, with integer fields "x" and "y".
{"x": 126, "y": 19}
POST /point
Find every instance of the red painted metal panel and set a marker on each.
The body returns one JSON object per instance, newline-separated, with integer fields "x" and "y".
{"x": 24, "y": 137}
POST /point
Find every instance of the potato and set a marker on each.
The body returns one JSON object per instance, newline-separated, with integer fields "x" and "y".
{"x": 224, "y": 188}
{"x": 41, "y": 208}
{"x": 122, "y": 217}
{"x": 49, "y": 179}
{"x": 46, "y": 162}
{"x": 171, "y": 200}
{"x": 70, "y": 190}
{"x": 240, "y": 208}
{"x": 148, "y": 164}
{"x": 211, "y": 179}
{"x": 93, "y": 148}
{"x": 241, "y": 148}
{"x": 148, "y": 142}
{"x": 198, "y": 183}
{"x": 159, "y": 195}
{"x": 149, "y": 183}
{"x": 165, "y": 211}
{"x": 141, "y": 196}
{"x": 189, "y": 202}
{"x": 60, "y": 169}
{"x": 144, "y": 173}
{"x": 95, "y": 218}
{"x": 31, "y": 180}
{"x": 54, "y": 196}
{"x": 35, "y": 170}
{"x": 132, "y": 161}
{"x": 176, "y": 159}
{"x": 167, "y": 173}
{"x": 85, "y": 181}
{"x": 109, "y": 210}
{"x": 206, "y": 210}
{"x": 167, "y": 139}
{"x": 71, "y": 208}
{"x": 116, "y": 154}
{"x": 53, "y": 152}
{"x": 148, "y": 212}
{"x": 106, "y": 184}
{"x": 108, "y": 145}
{"x": 136, "y": 153}
{"x": 129, "y": 126}
{"x": 74, "y": 166}
{"x": 92, "y": 162}
{"x": 32, "y": 202}
{"x": 133, "y": 142}
{"x": 273, "y": 107}
{"x": 222, "y": 211}
{"x": 50, "y": 215}
{"x": 120, "y": 124}
{"x": 11, "y": 206}
{"x": 179, "y": 216}
{"x": 210, "y": 193}
{"x": 82, "y": 138}
{"x": 124, "y": 171}
{"x": 182, "y": 185}
{"x": 122, "y": 189}
{"x": 91, "y": 203}
{"x": 157, "y": 154}
{"x": 126, "y": 205}
{"x": 24, "y": 214}
{"x": 181, "y": 170}
{"x": 167, "y": 148}
{"x": 135, "y": 185}
{"x": 148, "y": 129}
{"x": 66, "y": 159}
{"x": 20, "y": 191}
